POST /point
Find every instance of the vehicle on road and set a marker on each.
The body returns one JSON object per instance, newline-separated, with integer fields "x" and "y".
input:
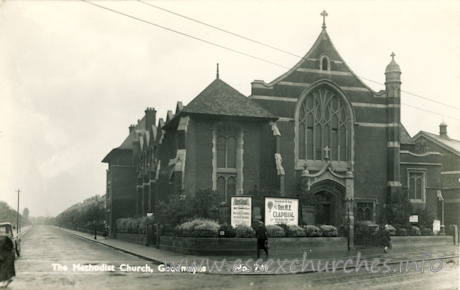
{"x": 7, "y": 230}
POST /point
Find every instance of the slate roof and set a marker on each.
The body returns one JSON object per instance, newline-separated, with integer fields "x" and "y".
{"x": 322, "y": 45}
{"x": 220, "y": 99}
{"x": 127, "y": 143}
{"x": 404, "y": 136}
{"x": 450, "y": 144}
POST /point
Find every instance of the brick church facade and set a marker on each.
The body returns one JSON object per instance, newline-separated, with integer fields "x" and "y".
{"x": 318, "y": 125}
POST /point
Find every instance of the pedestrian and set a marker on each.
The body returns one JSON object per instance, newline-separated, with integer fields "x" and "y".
{"x": 7, "y": 256}
{"x": 106, "y": 231}
{"x": 385, "y": 238}
{"x": 262, "y": 240}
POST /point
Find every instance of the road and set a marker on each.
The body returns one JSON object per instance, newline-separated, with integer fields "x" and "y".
{"x": 52, "y": 258}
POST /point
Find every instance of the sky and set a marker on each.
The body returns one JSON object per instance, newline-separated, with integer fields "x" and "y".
{"x": 74, "y": 76}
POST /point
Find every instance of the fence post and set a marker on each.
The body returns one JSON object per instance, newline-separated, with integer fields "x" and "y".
{"x": 455, "y": 228}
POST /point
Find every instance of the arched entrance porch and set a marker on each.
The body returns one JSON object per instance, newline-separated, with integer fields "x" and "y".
{"x": 330, "y": 206}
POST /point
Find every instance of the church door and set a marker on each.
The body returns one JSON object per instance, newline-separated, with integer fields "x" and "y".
{"x": 326, "y": 208}
{"x": 329, "y": 209}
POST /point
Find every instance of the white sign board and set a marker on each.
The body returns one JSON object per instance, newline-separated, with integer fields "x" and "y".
{"x": 436, "y": 226}
{"x": 281, "y": 211}
{"x": 413, "y": 219}
{"x": 241, "y": 210}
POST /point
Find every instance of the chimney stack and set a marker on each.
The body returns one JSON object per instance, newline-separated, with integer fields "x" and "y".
{"x": 150, "y": 116}
{"x": 131, "y": 128}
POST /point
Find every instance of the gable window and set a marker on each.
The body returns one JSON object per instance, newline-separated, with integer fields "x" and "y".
{"x": 324, "y": 63}
{"x": 323, "y": 128}
{"x": 416, "y": 185}
{"x": 227, "y": 159}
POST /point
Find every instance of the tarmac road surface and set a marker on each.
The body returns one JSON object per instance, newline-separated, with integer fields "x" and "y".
{"x": 55, "y": 259}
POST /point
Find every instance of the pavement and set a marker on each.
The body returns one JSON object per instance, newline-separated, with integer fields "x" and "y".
{"x": 445, "y": 254}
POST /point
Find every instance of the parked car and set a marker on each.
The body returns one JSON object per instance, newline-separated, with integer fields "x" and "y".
{"x": 7, "y": 230}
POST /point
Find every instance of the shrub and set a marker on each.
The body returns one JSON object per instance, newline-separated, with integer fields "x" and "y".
{"x": 415, "y": 231}
{"x": 398, "y": 209}
{"x": 285, "y": 229}
{"x": 243, "y": 231}
{"x": 133, "y": 225}
{"x": 392, "y": 230}
{"x": 202, "y": 204}
{"x": 295, "y": 231}
{"x": 312, "y": 231}
{"x": 206, "y": 229}
{"x": 122, "y": 225}
{"x": 427, "y": 232}
{"x": 425, "y": 218}
{"x": 144, "y": 222}
{"x": 228, "y": 229}
{"x": 401, "y": 232}
{"x": 362, "y": 229}
{"x": 275, "y": 231}
{"x": 198, "y": 228}
{"x": 329, "y": 231}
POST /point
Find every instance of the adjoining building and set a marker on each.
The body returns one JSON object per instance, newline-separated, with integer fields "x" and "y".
{"x": 317, "y": 122}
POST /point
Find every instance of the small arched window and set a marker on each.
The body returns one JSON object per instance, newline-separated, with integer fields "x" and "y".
{"x": 325, "y": 63}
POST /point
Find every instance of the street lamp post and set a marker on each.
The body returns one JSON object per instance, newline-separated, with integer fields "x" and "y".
{"x": 95, "y": 225}
{"x": 17, "y": 215}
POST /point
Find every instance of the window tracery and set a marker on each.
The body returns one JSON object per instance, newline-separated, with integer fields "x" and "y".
{"x": 323, "y": 127}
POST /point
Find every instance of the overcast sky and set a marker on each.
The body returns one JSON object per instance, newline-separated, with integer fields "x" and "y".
{"x": 75, "y": 76}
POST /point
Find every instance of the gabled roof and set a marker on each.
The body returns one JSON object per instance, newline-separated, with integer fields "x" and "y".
{"x": 220, "y": 99}
{"x": 404, "y": 136}
{"x": 128, "y": 142}
{"x": 322, "y": 46}
{"x": 447, "y": 143}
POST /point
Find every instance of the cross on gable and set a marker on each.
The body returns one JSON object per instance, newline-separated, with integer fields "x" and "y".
{"x": 324, "y": 14}
{"x": 393, "y": 55}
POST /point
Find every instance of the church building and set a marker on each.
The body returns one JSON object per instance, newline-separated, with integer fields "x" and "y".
{"x": 318, "y": 125}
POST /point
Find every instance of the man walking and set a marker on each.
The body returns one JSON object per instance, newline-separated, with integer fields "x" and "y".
{"x": 261, "y": 235}
{"x": 385, "y": 237}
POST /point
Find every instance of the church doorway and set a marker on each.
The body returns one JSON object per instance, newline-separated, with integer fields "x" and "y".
{"x": 325, "y": 209}
{"x": 329, "y": 209}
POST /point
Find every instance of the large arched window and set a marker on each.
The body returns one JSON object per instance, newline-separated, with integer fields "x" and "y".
{"x": 323, "y": 128}
{"x": 227, "y": 159}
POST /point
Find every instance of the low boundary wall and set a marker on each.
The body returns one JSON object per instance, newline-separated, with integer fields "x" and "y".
{"x": 428, "y": 242}
{"x": 315, "y": 247}
{"x": 248, "y": 246}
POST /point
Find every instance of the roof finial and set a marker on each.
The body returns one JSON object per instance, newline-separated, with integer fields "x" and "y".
{"x": 324, "y": 14}
{"x": 217, "y": 76}
{"x": 392, "y": 56}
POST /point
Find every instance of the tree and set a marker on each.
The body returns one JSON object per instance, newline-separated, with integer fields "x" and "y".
{"x": 7, "y": 214}
{"x": 425, "y": 218}
{"x": 180, "y": 207}
{"x": 83, "y": 215}
{"x": 398, "y": 210}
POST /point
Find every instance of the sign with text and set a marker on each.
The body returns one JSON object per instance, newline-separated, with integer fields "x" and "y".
{"x": 436, "y": 226}
{"x": 281, "y": 211}
{"x": 241, "y": 211}
{"x": 413, "y": 219}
